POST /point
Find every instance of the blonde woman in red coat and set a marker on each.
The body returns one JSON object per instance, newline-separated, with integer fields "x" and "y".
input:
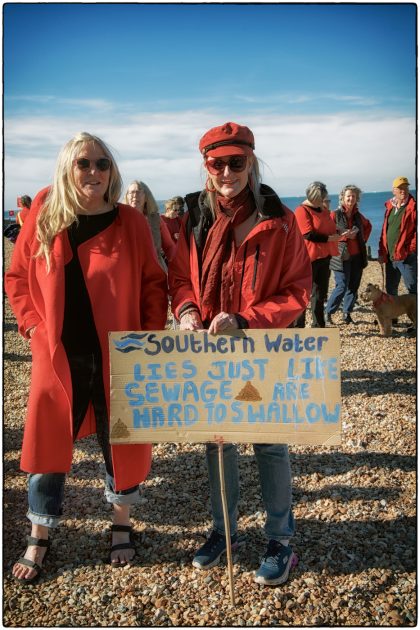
{"x": 241, "y": 262}
{"x": 84, "y": 265}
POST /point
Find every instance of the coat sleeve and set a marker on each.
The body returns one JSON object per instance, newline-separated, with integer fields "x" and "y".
{"x": 17, "y": 277}
{"x": 303, "y": 220}
{"x": 294, "y": 290}
{"x": 181, "y": 288}
{"x": 154, "y": 285}
{"x": 367, "y": 228}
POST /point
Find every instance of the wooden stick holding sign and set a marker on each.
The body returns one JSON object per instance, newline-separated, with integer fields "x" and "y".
{"x": 219, "y": 442}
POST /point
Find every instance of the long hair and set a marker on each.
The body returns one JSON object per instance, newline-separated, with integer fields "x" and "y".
{"x": 254, "y": 182}
{"x": 62, "y": 203}
{"x": 354, "y": 189}
{"x": 150, "y": 205}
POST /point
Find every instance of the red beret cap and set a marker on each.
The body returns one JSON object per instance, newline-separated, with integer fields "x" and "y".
{"x": 228, "y": 139}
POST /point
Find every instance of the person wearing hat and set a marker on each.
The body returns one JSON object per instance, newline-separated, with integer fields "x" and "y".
{"x": 398, "y": 241}
{"x": 241, "y": 262}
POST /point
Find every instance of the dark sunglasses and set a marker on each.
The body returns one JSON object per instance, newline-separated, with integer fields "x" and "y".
{"x": 103, "y": 164}
{"x": 236, "y": 163}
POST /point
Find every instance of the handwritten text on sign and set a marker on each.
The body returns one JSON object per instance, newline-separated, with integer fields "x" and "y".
{"x": 248, "y": 386}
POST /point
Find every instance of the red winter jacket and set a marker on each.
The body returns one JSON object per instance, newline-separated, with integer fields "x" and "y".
{"x": 320, "y": 222}
{"x": 128, "y": 291}
{"x": 407, "y": 241}
{"x": 272, "y": 270}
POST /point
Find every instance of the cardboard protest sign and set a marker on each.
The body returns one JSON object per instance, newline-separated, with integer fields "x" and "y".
{"x": 265, "y": 386}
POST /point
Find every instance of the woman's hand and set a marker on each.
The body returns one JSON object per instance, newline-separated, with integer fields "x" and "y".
{"x": 222, "y": 321}
{"x": 191, "y": 321}
{"x": 334, "y": 237}
{"x": 31, "y": 331}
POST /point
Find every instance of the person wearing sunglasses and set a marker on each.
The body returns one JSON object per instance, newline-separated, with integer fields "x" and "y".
{"x": 84, "y": 265}
{"x": 321, "y": 239}
{"x": 241, "y": 262}
{"x": 139, "y": 196}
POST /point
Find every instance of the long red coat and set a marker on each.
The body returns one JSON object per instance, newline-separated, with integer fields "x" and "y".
{"x": 128, "y": 291}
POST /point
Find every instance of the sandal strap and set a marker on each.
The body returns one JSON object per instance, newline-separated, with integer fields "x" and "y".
{"x": 126, "y": 545}
{"x": 30, "y": 563}
{"x": 38, "y": 542}
{"x": 121, "y": 528}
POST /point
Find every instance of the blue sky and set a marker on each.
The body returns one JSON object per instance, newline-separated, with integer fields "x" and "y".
{"x": 329, "y": 90}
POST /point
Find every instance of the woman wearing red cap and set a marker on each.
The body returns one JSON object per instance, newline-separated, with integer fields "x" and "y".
{"x": 241, "y": 262}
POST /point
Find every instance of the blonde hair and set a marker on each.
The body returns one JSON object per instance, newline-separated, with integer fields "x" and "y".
{"x": 254, "y": 182}
{"x": 62, "y": 203}
{"x": 354, "y": 189}
{"x": 150, "y": 205}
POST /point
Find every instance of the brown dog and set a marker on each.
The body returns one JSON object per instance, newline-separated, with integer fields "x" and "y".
{"x": 389, "y": 307}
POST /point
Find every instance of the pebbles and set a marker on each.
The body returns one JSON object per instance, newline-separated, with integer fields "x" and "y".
{"x": 354, "y": 507}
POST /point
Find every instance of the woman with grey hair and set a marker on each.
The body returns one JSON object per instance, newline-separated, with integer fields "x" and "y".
{"x": 348, "y": 265}
{"x": 139, "y": 196}
{"x": 83, "y": 265}
{"x": 320, "y": 234}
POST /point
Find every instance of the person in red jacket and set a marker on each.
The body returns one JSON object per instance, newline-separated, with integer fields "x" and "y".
{"x": 320, "y": 234}
{"x": 25, "y": 203}
{"x": 83, "y": 265}
{"x": 398, "y": 241}
{"x": 172, "y": 219}
{"x": 241, "y": 262}
{"x": 348, "y": 265}
{"x": 139, "y": 196}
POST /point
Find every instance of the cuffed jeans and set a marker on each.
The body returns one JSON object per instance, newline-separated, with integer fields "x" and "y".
{"x": 347, "y": 283}
{"x": 276, "y": 488}
{"x": 46, "y": 490}
{"x": 407, "y": 269}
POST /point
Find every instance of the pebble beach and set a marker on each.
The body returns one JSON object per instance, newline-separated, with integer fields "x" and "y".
{"x": 354, "y": 504}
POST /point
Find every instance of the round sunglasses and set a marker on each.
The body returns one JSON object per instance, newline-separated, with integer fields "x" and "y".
{"x": 236, "y": 163}
{"x": 103, "y": 164}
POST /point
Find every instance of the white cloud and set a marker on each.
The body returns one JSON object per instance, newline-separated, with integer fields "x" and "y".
{"x": 162, "y": 149}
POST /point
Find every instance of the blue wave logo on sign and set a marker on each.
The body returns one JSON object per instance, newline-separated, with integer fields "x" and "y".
{"x": 130, "y": 342}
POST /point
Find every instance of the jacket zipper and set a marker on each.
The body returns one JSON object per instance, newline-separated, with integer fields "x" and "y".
{"x": 254, "y": 276}
{"x": 242, "y": 275}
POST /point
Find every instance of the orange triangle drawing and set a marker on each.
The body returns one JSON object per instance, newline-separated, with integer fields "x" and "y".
{"x": 248, "y": 392}
{"x": 119, "y": 430}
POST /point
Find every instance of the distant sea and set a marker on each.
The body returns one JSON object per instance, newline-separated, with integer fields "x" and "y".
{"x": 371, "y": 206}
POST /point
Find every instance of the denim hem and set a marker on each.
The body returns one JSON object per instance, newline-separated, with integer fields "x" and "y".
{"x": 122, "y": 499}
{"x": 43, "y": 519}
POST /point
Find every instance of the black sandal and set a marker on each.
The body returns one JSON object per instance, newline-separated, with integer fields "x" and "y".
{"x": 38, "y": 542}
{"x": 127, "y": 545}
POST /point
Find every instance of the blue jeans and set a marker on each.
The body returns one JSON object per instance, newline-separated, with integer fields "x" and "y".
{"x": 276, "y": 488}
{"x": 347, "y": 284}
{"x": 46, "y": 494}
{"x": 407, "y": 269}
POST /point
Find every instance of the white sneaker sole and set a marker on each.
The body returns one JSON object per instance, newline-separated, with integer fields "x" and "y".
{"x": 259, "y": 579}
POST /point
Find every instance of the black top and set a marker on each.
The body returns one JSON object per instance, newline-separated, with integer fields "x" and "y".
{"x": 79, "y": 334}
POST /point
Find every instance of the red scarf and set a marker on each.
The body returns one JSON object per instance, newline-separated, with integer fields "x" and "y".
{"x": 219, "y": 254}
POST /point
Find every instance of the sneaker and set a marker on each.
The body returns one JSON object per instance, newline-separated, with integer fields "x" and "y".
{"x": 328, "y": 318}
{"x": 347, "y": 318}
{"x": 276, "y": 564}
{"x": 209, "y": 554}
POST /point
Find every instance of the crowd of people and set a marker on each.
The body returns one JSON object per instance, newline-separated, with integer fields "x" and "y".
{"x": 85, "y": 263}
